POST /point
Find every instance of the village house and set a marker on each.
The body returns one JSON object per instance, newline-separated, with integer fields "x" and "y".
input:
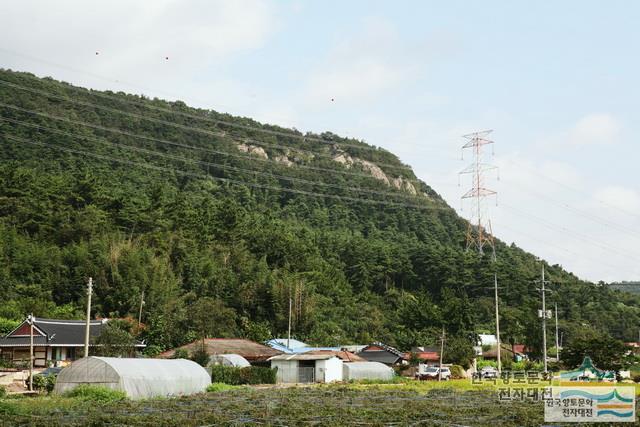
{"x": 290, "y": 346}
{"x": 56, "y": 342}
{"x": 379, "y": 352}
{"x": 253, "y": 352}
{"x": 425, "y": 354}
{"x": 517, "y": 352}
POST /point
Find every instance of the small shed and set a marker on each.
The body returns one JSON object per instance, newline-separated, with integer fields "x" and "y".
{"x": 307, "y": 368}
{"x": 229, "y": 360}
{"x": 138, "y": 378}
{"x": 366, "y": 371}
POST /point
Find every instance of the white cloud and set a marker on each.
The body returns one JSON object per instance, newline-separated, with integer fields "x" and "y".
{"x": 133, "y": 41}
{"x": 362, "y": 66}
{"x": 597, "y": 128}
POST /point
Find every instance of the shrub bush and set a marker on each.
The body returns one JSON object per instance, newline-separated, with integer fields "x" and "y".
{"x": 96, "y": 394}
{"x": 44, "y": 382}
{"x": 481, "y": 363}
{"x": 3, "y": 391}
{"x": 239, "y": 376}
{"x": 201, "y": 357}
{"x": 457, "y": 372}
{"x": 181, "y": 353}
{"x": 216, "y": 387}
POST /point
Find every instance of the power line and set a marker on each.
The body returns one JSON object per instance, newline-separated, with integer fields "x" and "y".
{"x": 582, "y": 213}
{"x": 565, "y": 230}
{"x": 177, "y": 144}
{"x": 611, "y": 267}
{"x": 181, "y": 126}
{"x": 228, "y": 180}
{"x": 572, "y": 188}
{"x": 138, "y": 86}
{"x": 216, "y": 165}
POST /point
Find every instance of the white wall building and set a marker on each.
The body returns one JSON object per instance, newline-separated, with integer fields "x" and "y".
{"x": 307, "y": 368}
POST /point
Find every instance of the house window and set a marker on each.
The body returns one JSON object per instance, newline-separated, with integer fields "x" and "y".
{"x": 71, "y": 353}
{"x": 57, "y": 353}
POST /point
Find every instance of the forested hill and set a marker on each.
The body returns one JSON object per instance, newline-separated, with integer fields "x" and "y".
{"x": 187, "y": 204}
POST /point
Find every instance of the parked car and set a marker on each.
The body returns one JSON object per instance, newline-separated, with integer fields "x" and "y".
{"x": 433, "y": 373}
{"x": 488, "y": 372}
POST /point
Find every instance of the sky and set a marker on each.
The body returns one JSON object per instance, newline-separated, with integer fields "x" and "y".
{"x": 556, "y": 81}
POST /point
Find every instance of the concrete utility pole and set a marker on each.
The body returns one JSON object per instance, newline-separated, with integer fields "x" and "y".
{"x": 544, "y": 316}
{"x": 495, "y": 287}
{"x": 88, "y": 324}
{"x": 289, "y": 333}
{"x": 140, "y": 312}
{"x": 557, "y": 343}
{"x": 441, "y": 353}
{"x": 31, "y": 352}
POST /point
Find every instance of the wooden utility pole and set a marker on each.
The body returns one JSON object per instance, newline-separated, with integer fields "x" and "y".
{"x": 31, "y": 352}
{"x": 441, "y": 353}
{"x": 88, "y": 324}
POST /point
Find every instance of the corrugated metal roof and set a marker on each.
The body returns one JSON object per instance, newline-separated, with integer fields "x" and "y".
{"x": 303, "y": 356}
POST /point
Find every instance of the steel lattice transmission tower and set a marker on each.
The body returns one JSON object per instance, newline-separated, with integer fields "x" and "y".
{"x": 479, "y": 233}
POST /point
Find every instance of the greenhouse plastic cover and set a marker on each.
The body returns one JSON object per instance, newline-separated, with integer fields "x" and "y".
{"x": 138, "y": 378}
{"x": 229, "y": 360}
{"x": 366, "y": 371}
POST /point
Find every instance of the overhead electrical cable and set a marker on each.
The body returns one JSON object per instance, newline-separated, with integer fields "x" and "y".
{"x": 228, "y": 180}
{"x": 164, "y": 141}
{"x": 555, "y": 181}
{"x": 613, "y": 268}
{"x": 177, "y": 125}
{"x": 569, "y": 232}
{"x": 215, "y": 165}
{"x": 584, "y": 214}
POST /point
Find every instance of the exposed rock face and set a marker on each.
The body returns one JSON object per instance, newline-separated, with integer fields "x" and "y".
{"x": 343, "y": 158}
{"x": 284, "y": 160}
{"x": 289, "y": 159}
{"x": 252, "y": 149}
{"x": 374, "y": 170}
{"x": 401, "y": 184}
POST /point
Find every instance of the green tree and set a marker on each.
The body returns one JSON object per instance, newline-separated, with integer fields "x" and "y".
{"x": 114, "y": 341}
{"x": 607, "y": 353}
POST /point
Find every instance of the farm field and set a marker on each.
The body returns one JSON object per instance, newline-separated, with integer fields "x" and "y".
{"x": 374, "y": 405}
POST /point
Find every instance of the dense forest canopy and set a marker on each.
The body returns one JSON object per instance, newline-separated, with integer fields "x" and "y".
{"x": 184, "y": 204}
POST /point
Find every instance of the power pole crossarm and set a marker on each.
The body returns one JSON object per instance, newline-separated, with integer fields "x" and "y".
{"x": 88, "y": 324}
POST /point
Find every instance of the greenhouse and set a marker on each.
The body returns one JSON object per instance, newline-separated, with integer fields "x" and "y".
{"x": 138, "y": 378}
{"x": 229, "y": 360}
{"x": 366, "y": 371}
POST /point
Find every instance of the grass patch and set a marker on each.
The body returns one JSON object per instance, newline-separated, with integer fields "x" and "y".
{"x": 97, "y": 394}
